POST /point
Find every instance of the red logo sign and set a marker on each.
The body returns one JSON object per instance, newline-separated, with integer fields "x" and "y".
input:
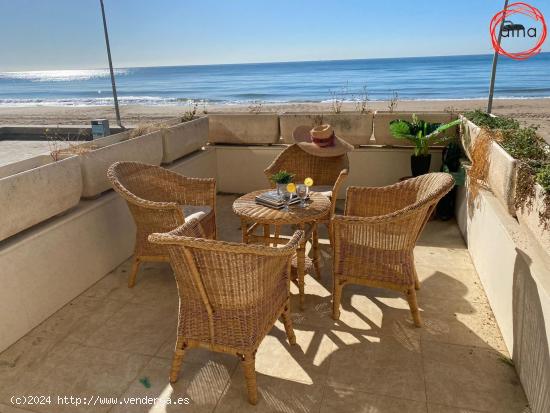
{"x": 504, "y": 19}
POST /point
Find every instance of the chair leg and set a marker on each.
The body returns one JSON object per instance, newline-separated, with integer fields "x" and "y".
{"x": 133, "y": 274}
{"x": 287, "y": 321}
{"x": 315, "y": 248}
{"x": 416, "y": 281}
{"x": 336, "y": 298}
{"x": 176, "y": 362}
{"x": 249, "y": 367}
{"x": 411, "y": 298}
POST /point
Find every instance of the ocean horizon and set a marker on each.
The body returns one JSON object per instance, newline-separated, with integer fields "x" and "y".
{"x": 411, "y": 78}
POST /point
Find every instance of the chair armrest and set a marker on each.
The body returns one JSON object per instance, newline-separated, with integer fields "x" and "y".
{"x": 192, "y": 228}
{"x": 336, "y": 189}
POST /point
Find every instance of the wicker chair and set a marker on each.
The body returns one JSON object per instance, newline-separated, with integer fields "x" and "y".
{"x": 375, "y": 238}
{"x": 230, "y": 295}
{"x": 328, "y": 173}
{"x": 161, "y": 200}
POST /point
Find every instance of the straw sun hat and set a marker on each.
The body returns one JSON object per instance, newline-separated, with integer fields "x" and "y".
{"x": 320, "y": 141}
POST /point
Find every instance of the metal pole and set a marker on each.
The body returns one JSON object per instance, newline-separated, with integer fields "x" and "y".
{"x": 495, "y": 62}
{"x": 110, "y": 65}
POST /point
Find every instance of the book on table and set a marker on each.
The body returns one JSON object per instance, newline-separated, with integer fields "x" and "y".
{"x": 273, "y": 200}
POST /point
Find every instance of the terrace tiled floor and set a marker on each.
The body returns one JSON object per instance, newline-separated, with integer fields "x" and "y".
{"x": 111, "y": 340}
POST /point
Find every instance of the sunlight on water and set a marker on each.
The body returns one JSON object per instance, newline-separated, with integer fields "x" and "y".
{"x": 60, "y": 75}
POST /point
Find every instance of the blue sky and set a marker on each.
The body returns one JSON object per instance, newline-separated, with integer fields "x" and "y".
{"x": 67, "y": 34}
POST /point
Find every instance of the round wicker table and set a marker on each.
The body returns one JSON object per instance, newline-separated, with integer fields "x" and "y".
{"x": 254, "y": 215}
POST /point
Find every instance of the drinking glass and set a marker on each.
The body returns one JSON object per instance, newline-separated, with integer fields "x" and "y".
{"x": 286, "y": 199}
{"x": 302, "y": 191}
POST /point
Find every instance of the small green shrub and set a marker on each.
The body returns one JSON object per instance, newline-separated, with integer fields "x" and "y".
{"x": 524, "y": 144}
{"x": 282, "y": 177}
{"x": 543, "y": 177}
{"x": 484, "y": 120}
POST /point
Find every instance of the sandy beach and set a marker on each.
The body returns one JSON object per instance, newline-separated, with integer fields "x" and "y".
{"x": 529, "y": 111}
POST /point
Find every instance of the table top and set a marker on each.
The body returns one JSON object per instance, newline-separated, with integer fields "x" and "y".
{"x": 317, "y": 207}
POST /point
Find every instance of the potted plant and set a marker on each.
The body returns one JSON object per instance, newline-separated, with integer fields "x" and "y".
{"x": 281, "y": 180}
{"x": 422, "y": 134}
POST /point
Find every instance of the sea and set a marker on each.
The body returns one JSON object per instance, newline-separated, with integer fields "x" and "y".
{"x": 415, "y": 78}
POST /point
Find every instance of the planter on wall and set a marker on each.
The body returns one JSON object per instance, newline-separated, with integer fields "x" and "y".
{"x": 36, "y": 189}
{"x": 184, "y": 138}
{"x": 469, "y": 132}
{"x": 529, "y": 217}
{"x": 383, "y": 136}
{"x": 146, "y": 149}
{"x": 502, "y": 173}
{"x": 354, "y": 127}
{"x": 502, "y": 176}
{"x": 244, "y": 128}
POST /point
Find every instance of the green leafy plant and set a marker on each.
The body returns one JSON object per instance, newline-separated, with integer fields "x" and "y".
{"x": 485, "y": 120}
{"x": 421, "y": 133}
{"x": 543, "y": 177}
{"x": 282, "y": 177}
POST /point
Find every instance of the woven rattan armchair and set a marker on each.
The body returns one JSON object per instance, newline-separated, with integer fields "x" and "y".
{"x": 230, "y": 295}
{"x": 161, "y": 200}
{"x": 375, "y": 238}
{"x": 328, "y": 173}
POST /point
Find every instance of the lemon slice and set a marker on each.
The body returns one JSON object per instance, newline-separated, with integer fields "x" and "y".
{"x": 308, "y": 182}
{"x": 291, "y": 187}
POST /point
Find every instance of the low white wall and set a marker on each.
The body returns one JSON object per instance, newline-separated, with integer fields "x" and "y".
{"x": 240, "y": 168}
{"x": 47, "y": 266}
{"x": 515, "y": 274}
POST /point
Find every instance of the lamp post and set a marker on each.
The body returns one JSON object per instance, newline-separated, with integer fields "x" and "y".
{"x": 495, "y": 62}
{"x": 113, "y": 84}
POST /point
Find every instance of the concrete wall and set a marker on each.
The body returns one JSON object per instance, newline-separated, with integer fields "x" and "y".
{"x": 45, "y": 267}
{"x": 240, "y": 168}
{"x": 515, "y": 273}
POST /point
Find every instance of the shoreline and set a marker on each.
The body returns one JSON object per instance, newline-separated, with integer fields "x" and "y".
{"x": 534, "y": 111}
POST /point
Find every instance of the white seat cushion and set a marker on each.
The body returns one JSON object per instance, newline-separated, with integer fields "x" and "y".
{"x": 325, "y": 190}
{"x": 195, "y": 211}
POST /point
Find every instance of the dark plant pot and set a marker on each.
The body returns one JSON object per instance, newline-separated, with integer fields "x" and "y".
{"x": 420, "y": 164}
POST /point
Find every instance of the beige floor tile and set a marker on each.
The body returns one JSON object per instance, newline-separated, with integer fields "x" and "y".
{"x": 471, "y": 324}
{"x": 14, "y": 409}
{"x": 137, "y": 329}
{"x": 384, "y": 366}
{"x": 75, "y": 370}
{"x": 471, "y": 378}
{"x": 67, "y": 318}
{"x": 346, "y": 401}
{"x": 439, "y": 408}
{"x": 196, "y": 355}
{"x": 274, "y": 395}
{"x": 19, "y": 366}
{"x": 305, "y": 362}
{"x": 202, "y": 386}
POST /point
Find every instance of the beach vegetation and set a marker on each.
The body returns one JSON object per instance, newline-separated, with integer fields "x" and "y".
{"x": 191, "y": 112}
{"x": 255, "y": 106}
{"x": 523, "y": 144}
{"x": 146, "y": 128}
{"x": 393, "y": 101}
{"x": 61, "y": 146}
{"x": 362, "y": 100}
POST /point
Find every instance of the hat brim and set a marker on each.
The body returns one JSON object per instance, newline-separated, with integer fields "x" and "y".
{"x": 302, "y": 137}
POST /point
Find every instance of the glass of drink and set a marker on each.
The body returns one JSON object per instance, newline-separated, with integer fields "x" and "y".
{"x": 302, "y": 191}
{"x": 286, "y": 199}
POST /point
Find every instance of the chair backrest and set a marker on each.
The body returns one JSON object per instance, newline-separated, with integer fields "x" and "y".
{"x": 226, "y": 289}
{"x": 401, "y": 211}
{"x": 148, "y": 182}
{"x": 323, "y": 170}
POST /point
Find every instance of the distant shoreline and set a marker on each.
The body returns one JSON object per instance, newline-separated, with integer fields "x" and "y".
{"x": 528, "y": 111}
